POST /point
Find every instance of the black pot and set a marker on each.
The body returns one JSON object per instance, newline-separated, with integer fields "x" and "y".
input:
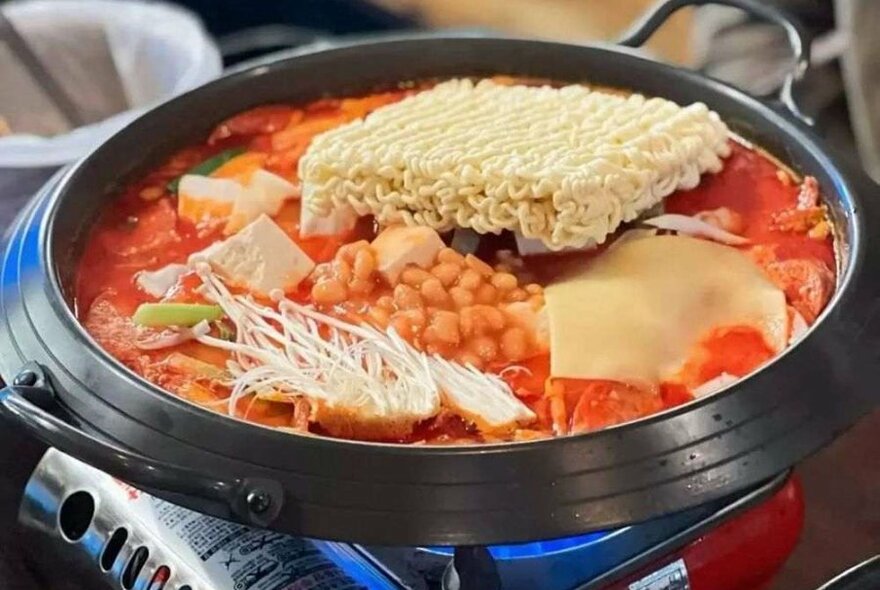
{"x": 78, "y": 398}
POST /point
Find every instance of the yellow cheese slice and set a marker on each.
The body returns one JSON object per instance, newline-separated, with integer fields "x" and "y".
{"x": 635, "y": 313}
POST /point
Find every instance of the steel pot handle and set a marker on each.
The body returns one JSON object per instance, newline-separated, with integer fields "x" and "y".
{"x": 31, "y": 402}
{"x": 642, "y": 30}
{"x": 864, "y": 576}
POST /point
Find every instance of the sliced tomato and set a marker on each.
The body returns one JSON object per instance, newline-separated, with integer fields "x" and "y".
{"x": 736, "y": 350}
{"x": 674, "y": 394}
{"x": 605, "y": 403}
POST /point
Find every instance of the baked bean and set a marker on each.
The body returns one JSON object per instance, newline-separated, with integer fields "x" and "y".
{"x": 484, "y": 347}
{"x": 414, "y": 276}
{"x": 486, "y": 293}
{"x": 379, "y": 316}
{"x": 446, "y": 272}
{"x": 470, "y": 280}
{"x": 416, "y": 317}
{"x": 405, "y": 297}
{"x": 503, "y": 268}
{"x": 450, "y": 255}
{"x": 467, "y": 321}
{"x": 329, "y": 292}
{"x": 534, "y": 289}
{"x": 349, "y": 251}
{"x": 364, "y": 263}
{"x": 435, "y": 348}
{"x": 434, "y": 294}
{"x": 479, "y": 319}
{"x": 469, "y": 358}
{"x": 403, "y": 328}
{"x": 536, "y": 301}
{"x": 342, "y": 269}
{"x": 322, "y": 271}
{"x": 514, "y": 343}
{"x": 517, "y": 295}
{"x": 360, "y": 286}
{"x": 429, "y": 337}
{"x": 503, "y": 281}
{"x": 478, "y": 265}
{"x": 385, "y": 302}
{"x": 445, "y": 327}
{"x": 461, "y": 297}
{"x": 492, "y": 317}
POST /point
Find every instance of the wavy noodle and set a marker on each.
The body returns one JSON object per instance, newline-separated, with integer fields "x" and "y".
{"x": 563, "y": 165}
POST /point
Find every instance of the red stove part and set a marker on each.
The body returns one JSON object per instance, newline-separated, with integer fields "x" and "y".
{"x": 744, "y": 553}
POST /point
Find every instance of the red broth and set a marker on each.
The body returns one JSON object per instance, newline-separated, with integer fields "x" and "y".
{"x": 140, "y": 230}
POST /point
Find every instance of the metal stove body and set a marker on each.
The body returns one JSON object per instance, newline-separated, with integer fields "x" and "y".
{"x": 111, "y": 535}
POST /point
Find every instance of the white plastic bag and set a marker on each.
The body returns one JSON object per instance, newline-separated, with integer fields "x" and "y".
{"x": 159, "y": 50}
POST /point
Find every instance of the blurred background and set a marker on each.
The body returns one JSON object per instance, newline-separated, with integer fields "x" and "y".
{"x": 108, "y": 60}
{"x": 74, "y": 71}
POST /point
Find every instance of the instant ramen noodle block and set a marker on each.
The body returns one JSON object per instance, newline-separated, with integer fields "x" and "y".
{"x": 563, "y": 165}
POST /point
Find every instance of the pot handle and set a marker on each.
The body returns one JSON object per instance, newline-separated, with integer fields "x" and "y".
{"x": 642, "y": 30}
{"x": 31, "y": 402}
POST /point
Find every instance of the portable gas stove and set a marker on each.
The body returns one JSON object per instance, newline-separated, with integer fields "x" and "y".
{"x": 115, "y": 536}
{"x": 83, "y": 525}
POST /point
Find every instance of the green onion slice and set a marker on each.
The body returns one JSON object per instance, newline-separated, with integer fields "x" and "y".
{"x": 175, "y": 314}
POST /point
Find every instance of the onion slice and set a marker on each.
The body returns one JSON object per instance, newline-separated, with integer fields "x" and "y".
{"x": 798, "y": 328}
{"x": 152, "y": 340}
{"x": 691, "y": 226}
{"x": 715, "y": 384}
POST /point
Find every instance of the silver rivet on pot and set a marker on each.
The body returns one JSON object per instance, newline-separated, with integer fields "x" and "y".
{"x": 258, "y": 501}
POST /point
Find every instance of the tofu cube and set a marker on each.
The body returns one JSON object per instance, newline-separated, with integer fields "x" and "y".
{"x": 399, "y": 246}
{"x": 202, "y": 198}
{"x": 275, "y": 189}
{"x": 261, "y": 257}
{"x": 248, "y": 207}
{"x": 265, "y": 193}
{"x": 340, "y": 221}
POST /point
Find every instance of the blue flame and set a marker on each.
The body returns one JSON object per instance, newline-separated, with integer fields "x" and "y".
{"x": 536, "y": 548}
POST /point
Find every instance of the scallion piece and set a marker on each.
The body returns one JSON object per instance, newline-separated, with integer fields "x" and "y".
{"x": 208, "y": 166}
{"x": 175, "y": 314}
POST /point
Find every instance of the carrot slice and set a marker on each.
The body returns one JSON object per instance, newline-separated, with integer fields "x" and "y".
{"x": 301, "y": 133}
{"x": 241, "y": 167}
